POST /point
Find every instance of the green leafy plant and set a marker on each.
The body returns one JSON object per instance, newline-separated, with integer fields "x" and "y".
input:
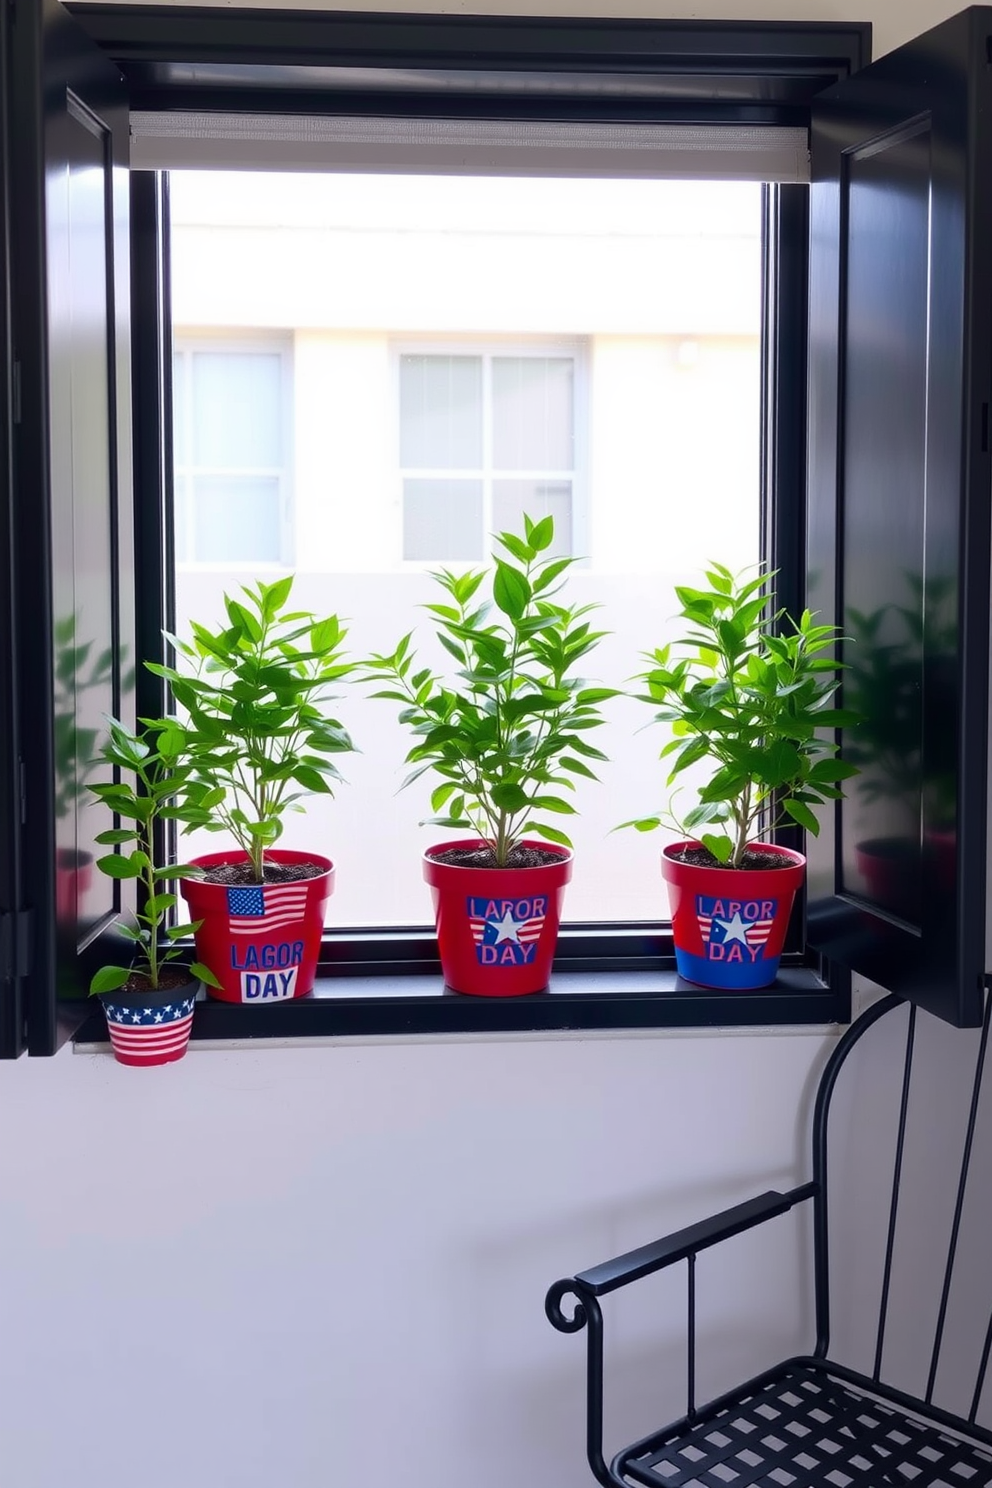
{"x": 153, "y": 773}
{"x": 903, "y": 655}
{"x": 508, "y": 734}
{"x": 747, "y": 690}
{"x": 254, "y": 697}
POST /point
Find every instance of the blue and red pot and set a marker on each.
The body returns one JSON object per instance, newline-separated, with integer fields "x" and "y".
{"x": 729, "y": 924}
{"x": 497, "y": 927}
{"x": 151, "y": 1026}
{"x": 261, "y": 941}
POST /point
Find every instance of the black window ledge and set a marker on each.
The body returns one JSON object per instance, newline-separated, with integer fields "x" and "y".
{"x": 355, "y": 1005}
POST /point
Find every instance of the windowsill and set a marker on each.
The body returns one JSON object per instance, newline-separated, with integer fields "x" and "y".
{"x": 356, "y": 1006}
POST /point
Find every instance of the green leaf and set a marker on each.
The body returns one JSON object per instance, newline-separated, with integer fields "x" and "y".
{"x": 108, "y": 979}
{"x": 551, "y": 834}
{"x": 243, "y": 620}
{"x": 114, "y": 866}
{"x": 509, "y": 797}
{"x": 511, "y": 591}
{"x": 553, "y": 803}
{"x": 157, "y": 904}
{"x": 275, "y": 596}
{"x": 721, "y": 847}
{"x": 801, "y": 813}
{"x": 179, "y": 932}
{"x": 778, "y": 762}
{"x": 118, "y": 834}
{"x": 311, "y": 780}
{"x": 204, "y": 974}
{"x": 325, "y": 635}
{"x": 542, "y": 534}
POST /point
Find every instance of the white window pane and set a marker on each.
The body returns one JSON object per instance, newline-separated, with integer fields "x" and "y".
{"x": 654, "y": 287}
{"x": 180, "y": 433}
{"x": 442, "y": 520}
{"x": 180, "y": 515}
{"x": 237, "y": 409}
{"x": 512, "y": 498}
{"x": 440, "y": 412}
{"x": 532, "y": 413}
{"x": 236, "y": 519}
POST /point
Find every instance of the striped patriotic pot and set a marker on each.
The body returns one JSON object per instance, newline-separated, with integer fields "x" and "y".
{"x": 261, "y": 941}
{"x": 150, "y": 1027}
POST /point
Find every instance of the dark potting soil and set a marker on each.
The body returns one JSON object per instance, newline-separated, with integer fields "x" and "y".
{"x": 485, "y": 857}
{"x": 171, "y": 976}
{"x": 242, "y": 873}
{"x": 754, "y": 858}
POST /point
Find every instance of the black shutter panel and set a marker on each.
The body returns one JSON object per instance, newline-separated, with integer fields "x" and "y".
{"x": 73, "y": 546}
{"x": 899, "y": 483}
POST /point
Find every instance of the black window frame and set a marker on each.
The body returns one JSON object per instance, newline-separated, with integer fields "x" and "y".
{"x": 375, "y": 981}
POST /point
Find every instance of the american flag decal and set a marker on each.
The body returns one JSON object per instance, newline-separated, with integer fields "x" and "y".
{"x": 260, "y": 908}
{"x": 149, "y": 1035}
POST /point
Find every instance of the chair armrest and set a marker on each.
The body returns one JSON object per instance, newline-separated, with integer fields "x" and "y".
{"x": 676, "y": 1247}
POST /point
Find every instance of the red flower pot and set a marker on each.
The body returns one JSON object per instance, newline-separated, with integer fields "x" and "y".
{"x": 73, "y": 879}
{"x": 497, "y": 927}
{"x": 261, "y": 941}
{"x": 150, "y": 1027}
{"x": 729, "y": 924}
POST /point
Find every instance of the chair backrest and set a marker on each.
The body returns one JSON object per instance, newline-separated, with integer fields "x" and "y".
{"x": 904, "y": 1129}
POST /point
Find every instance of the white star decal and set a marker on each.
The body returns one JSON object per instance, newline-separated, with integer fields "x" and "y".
{"x": 734, "y": 929}
{"x": 159, "y": 1017}
{"x": 507, "y": 927}
{"x": 135, "y": 1017}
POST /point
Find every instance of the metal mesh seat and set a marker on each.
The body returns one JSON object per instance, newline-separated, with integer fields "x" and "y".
{"x": 805, "y": 1427}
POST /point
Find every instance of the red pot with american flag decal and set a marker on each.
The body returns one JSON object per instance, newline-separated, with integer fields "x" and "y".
{"x": 497, "y": 927}
{"x": 261, "y": 941}
{"x": 729, "y": 924}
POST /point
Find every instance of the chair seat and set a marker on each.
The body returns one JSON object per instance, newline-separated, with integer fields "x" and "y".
{"x": 804, "y": 1425}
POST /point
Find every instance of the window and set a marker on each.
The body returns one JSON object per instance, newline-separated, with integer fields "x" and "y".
{"x": 485, "y": 437}
{"x": 230, "y": 453}
{"x": 408, "y": 451}
{"x": 618, "y": 101}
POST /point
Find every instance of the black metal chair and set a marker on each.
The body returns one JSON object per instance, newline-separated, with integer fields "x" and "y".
{"x": 814, "y": 1421}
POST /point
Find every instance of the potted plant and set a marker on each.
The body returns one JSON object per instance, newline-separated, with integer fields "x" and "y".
{"x": 506, "y": 737}
{"x": 746, "y": 692}
{"x": 78, "y": 671}
{"x": 148, "y": 1004}
{"x": 254, "y": 696}
{"x": 903, "y": 658}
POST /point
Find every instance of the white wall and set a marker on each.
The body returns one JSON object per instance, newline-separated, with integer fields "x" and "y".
{"x": 326, "y": 1266}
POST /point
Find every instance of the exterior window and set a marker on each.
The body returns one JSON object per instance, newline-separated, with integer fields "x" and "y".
{"x": 230, "y": 453}
{"x": 584, "y": 349}
{"x": 483, "y": 439}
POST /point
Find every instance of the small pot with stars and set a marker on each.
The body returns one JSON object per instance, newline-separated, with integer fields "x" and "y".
{"x": 497, "y": 927}
{"x": 151, "y": 1025}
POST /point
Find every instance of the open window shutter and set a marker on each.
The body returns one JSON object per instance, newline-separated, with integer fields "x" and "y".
{"x": 12, "y": 923}
{"x": 73, "y": 548}
{"x": 900, "y": 381}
